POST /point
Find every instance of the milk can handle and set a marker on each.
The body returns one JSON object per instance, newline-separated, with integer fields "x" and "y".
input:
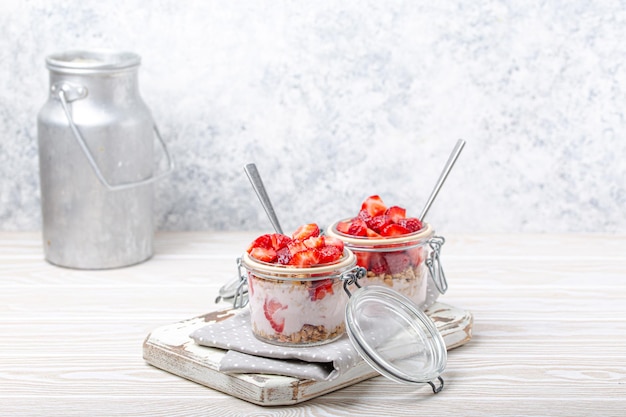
{"x": 77, "y": 92}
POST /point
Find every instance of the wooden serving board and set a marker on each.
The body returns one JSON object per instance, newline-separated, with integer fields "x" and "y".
{"x": 170, "y": 348}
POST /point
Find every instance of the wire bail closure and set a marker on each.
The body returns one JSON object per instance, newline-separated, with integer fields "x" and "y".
{"x": 241, "y": 297}
{"x": 434, "y": 264}
{"x": 352, "y": 277}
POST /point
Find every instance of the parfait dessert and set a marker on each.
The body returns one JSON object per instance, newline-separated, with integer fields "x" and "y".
{"x": 391, "y": 246}
{"x": 295, "y": 291}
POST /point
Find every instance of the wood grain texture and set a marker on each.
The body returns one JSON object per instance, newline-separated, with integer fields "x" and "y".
{"x": 549, "y": 334}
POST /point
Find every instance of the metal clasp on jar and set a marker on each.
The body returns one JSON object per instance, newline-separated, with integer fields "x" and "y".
{"x": 434, "y": 264}
{"x": 352, "y": 276}
{"x": 235, "y": 289}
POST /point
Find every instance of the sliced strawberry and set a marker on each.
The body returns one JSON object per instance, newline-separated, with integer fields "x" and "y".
{"x": 264, "y": 241}
{"x": 305, "y": 258}
{"x": 412, "y": 224}
{"x": 394, "y": 230}
{"x": 329, "y": 254}
{"x": 363, "y": 259}
{"x": 378, "y": 223}
{"x": 264, "y": 255}
{"x": 319, "y": 289}
{"x": 373, "y": 234}
{"x": 364, "y": 215}
{"x": 270, "y": 308}
{"x": 305, "y": 231}
{"x": 416, "y": 255}
{"x": 397, "y": 261}
{"x": 395, "y": 213}
{"x": 279, "y": 241}
{"x": 296, "y": 246}
{"x": 343, "y": 227}
{"x": 314, "y": 242}
{"x": 374, "y": 205}
{"x": 333, "y": 241}
{"x": 358, "y": 228}
{"x": 377, "y": 263}
{"x": 283, "y": 255}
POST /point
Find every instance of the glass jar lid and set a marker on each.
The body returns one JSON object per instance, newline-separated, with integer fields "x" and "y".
{"x": 395, "y": 337}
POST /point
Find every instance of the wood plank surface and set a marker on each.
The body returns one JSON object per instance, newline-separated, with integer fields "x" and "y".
{"x": 549, "y": 335}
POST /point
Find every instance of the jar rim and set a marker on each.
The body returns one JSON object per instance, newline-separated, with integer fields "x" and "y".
{"x": 92, "y": 60}
{"x": 348, "y": 260}
{"x": 425, "y": 232}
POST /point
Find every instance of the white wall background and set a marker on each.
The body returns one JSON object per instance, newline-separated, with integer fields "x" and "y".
{"x": 338, "y": 100}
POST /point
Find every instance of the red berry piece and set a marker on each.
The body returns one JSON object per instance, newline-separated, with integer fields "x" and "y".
{"x": 270, "y": 308}
{"x": 364, "y": 215}
{"x": 305, "y": 258}
{"x": 374, "y": 205}
{"x": 344, "y": 227}
{"x": 320, "y": 289}
{"x": 329, "y": 254}
{"x": 279, "y": 241}
{"x": 363, "y": 259}
{"x": 378, "y": 223}
{"x": 296, "y": 246}
{"x": 397, "y": 262}
{"x": 416, "y": 255}
{"x": 314, "y": 242}
{"x": 412, "y": 224}
{"x": 264, "y": 241}
{"x": 395, "y": 213}
{"x": 378, "y": 264}
{"x": 333, "y": 241}
{"x": 263, "y": 255}
{"x": 358, "y": 228}
{"x": 306, "y": 231}
{"x": 283, "y": 256}
{"x": 394, "y": 230}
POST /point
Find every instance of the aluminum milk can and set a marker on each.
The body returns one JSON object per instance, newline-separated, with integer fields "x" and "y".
{"x": 97, "y": 161}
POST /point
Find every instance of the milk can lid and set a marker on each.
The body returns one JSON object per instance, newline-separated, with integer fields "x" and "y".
{"x": 92, "y": 60}
{"x": 395, "y": 336}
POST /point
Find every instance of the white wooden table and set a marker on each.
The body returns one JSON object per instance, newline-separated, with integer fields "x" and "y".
{"x": 549, "y": 332}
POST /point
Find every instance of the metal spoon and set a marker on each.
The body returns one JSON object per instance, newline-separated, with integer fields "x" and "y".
{"x": 257, "y": 184}
{"x": 444, "y": 174}
{"x": 236, "y": 287}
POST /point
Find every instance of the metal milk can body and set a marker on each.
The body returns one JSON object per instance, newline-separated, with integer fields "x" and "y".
{"x": 96, "y": 156}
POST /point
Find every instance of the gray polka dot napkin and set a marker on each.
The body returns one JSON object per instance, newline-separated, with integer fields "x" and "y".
{"x": 246, "y": 354}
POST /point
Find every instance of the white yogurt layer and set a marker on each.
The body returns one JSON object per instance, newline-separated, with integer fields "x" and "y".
{"x": 297, "y": 307}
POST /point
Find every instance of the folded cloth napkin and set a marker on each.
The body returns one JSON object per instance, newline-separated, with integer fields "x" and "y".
{"x": 247, "y": 354}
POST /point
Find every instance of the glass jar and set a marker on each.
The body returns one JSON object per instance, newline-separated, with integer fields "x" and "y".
{"x": 408, "y": 264}
{"x": 313, "y": 306}
{"x": 292, "y": 306}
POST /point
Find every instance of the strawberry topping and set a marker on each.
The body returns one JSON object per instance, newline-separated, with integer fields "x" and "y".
{"x": 376, "y": 220}
{"x": 304, "y": 249}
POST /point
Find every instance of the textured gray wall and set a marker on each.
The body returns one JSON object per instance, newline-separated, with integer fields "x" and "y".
{"x": 338, "y": 100}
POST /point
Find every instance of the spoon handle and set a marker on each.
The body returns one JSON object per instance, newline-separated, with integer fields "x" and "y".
{"x": 444, "y": 174}
{"x": 257, "y": 184}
